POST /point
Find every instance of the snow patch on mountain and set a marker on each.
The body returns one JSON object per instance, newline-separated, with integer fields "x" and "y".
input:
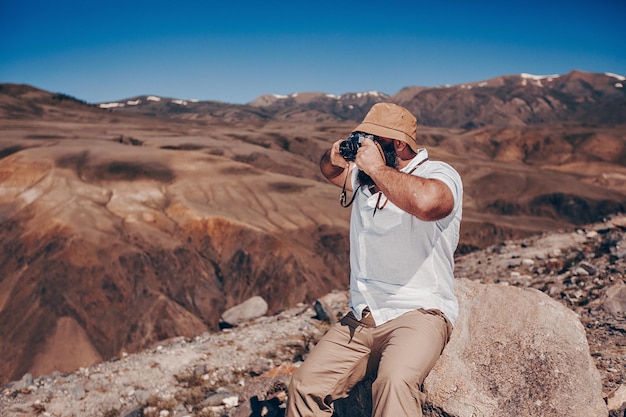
{"x": 619, "y": 77}
{"x": 536, "y": 79}
{"x": 368, "y": 94}
{"x": 111, "y": 105}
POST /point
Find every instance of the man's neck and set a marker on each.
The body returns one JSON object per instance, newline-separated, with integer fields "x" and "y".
{"x": 402, "y": 163}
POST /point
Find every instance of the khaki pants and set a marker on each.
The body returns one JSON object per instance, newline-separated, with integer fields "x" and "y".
{"x": 401, "y": 351}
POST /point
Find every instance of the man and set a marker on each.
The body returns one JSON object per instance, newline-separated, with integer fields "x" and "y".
{"x": 404, "y": 229}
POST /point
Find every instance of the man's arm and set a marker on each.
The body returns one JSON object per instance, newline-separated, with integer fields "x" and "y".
{"x": 427, "y": 199}
{"x": 334, "y": 167}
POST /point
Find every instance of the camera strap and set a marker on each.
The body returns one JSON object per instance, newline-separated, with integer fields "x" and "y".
{"x": 343, "y": 196}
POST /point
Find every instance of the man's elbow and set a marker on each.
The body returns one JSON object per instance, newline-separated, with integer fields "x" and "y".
{"x": 431, "y": 210}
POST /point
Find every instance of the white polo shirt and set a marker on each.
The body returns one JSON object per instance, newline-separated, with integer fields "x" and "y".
{"x": 398, "y": 262}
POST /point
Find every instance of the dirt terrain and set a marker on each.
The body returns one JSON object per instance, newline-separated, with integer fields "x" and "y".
{"x": 120, "y": 229}
{"x": 219, "y": 373}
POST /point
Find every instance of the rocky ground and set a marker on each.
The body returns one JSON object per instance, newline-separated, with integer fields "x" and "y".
{"x": 576, "y": 269}
{"x": 224, "y": 374}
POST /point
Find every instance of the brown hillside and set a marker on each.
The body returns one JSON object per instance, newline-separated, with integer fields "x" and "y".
{"x": 118, "y": 229}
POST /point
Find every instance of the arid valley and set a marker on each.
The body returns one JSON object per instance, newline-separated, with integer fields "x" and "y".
{"x": 126, "y": 224}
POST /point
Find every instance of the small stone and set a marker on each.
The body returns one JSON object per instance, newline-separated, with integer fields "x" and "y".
{"x": 200, "y": 370}
{"x": 581, "y": 271}
{"x": 137, "y": 412}
{"x": 615, "y": 300}
{"x": 78, "y": 391}
{"x": 26, "y": 381}
{"x": 216, "y": 399}
{"x": 591, "y": 270}
{"x": 230, "y": 402}
{"x": 618, "y": 253}
{"x": 515, "y": 263}
{"x": 617, "y": 399}
{"x": 555, "y": 253}
{"x": 524, "y": 280}
{"x": 324, "y": 312}
{"x": 252, "y": 308}
{"x": 142, "y": 395}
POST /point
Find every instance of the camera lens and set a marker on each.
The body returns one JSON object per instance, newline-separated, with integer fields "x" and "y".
{"x": 349, "y": 147}
{"x": 347, "y": 150}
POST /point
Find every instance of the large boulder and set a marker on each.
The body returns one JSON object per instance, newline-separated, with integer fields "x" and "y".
{"x": 514, "y": 352}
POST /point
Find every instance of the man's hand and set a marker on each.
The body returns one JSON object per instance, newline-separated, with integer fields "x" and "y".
{"x": 333, "y": 165}
{"x": 335, "y": 157}
{"x": 370, "y": 157}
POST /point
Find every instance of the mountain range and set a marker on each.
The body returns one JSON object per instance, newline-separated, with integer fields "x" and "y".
{"x": 130, "y": 222}
{"x": 516, "y": 100}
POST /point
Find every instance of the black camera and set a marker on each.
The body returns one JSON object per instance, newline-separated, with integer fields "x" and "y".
{"x": 349, "y": 147}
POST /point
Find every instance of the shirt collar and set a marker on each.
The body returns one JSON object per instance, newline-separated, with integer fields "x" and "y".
{"x": 422, "y": 155}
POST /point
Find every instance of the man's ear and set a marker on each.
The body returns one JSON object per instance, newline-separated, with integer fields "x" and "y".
{"x": 399, "y": 145}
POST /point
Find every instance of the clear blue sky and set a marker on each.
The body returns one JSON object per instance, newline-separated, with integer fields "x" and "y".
{"x": 234, "y": 51}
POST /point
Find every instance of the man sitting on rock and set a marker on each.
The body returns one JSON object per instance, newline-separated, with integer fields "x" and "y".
{"x": 404, "y": 229}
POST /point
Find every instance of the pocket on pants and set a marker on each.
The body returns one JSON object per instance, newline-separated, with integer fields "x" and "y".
{"x": 439, "y": 313}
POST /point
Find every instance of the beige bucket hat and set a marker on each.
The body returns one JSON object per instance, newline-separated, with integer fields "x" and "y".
{"x": 391, "y": 121}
